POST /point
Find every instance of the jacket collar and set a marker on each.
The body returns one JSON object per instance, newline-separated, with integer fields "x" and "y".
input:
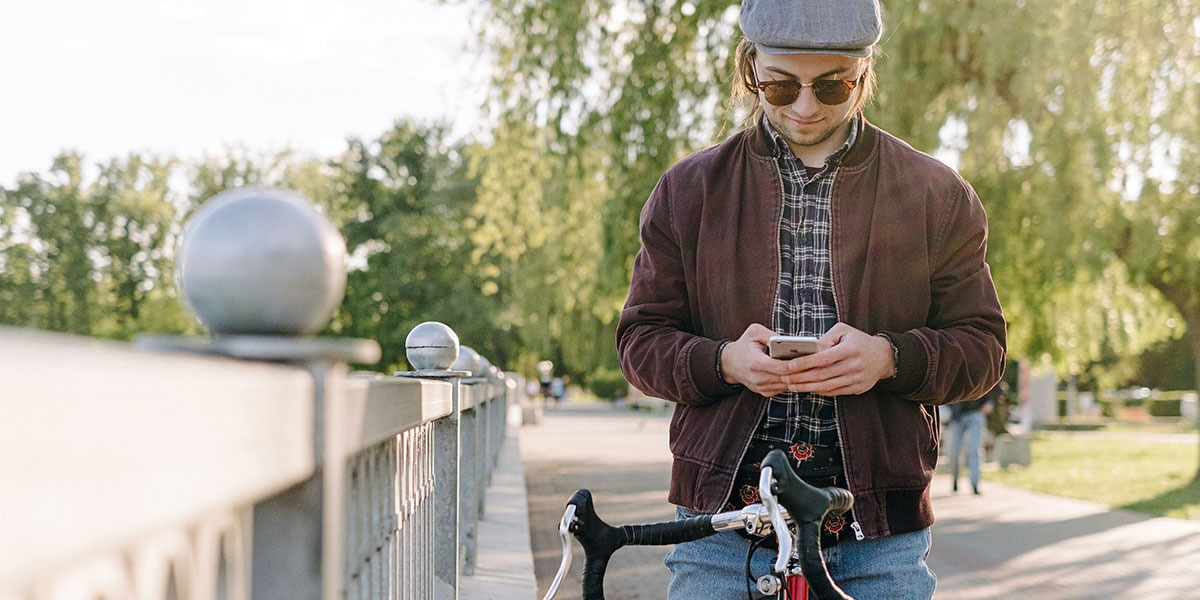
{"x": 761, "y": 143}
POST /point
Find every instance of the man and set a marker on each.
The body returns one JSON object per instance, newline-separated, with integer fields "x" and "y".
{"x": 967, "y": 420}
{"x": 811, "y": 221}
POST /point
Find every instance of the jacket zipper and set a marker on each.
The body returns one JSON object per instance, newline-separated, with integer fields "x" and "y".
{"x": 837, "y": 406}
{"x": 774, "y": 298}
{"x": 745, "y": 448}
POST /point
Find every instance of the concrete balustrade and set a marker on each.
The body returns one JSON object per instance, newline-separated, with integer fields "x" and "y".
{"x": 249, "y": 464}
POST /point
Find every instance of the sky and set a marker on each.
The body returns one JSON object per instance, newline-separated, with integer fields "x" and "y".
{"x": 182, "y": 77}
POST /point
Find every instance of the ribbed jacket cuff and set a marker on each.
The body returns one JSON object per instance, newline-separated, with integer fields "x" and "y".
{"x": 910, "y": 371}
{"x": 703, "y": 365}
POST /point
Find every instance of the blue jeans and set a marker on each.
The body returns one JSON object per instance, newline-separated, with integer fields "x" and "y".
{"x": 714, "y": 568}
{"x": 969, "y": 425}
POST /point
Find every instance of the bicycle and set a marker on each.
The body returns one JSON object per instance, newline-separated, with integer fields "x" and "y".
{"x": 788, "y": 504}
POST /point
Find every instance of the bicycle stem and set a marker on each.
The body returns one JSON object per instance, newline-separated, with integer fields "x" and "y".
{"x": 754, "y": 518}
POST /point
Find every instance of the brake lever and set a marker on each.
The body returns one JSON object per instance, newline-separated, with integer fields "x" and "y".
{"x": 564, "y": 532}
{"x": 766, "y": 486}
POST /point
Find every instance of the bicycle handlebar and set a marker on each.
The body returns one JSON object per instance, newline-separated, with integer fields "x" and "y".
{"x": 806, "y": 506}
{"x": 600, "y": 540}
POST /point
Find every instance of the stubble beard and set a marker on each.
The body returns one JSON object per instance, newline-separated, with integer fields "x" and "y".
{"x": 806, "y": 140}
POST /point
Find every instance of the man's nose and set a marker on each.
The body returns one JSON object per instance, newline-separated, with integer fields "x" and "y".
{"x": 806, "y": 103}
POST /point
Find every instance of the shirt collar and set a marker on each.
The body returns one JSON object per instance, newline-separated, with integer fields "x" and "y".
{"x": 782, "y": 149}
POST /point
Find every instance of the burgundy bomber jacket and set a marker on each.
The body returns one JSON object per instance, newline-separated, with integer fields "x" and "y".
{"x": 908, "y": 239}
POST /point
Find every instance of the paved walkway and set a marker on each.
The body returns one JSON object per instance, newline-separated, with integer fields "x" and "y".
{"x": 504, "y": 568}
{"x": 621, "y": 456}
{"x": 1007, "y": 543}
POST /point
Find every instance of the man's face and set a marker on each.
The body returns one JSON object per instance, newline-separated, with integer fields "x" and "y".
{"x": 807, "y": 123}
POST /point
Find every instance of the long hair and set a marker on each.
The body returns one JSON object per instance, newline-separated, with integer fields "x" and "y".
{"x": 744, "y": 96}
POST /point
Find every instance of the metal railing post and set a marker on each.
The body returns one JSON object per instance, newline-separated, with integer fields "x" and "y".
{"x": 433, "y": 350}
{"x": 467, "y": 481}
{"x": 470, "y": 468}
{"x": 447, "y": 460}
{"x": 481, "y": 461}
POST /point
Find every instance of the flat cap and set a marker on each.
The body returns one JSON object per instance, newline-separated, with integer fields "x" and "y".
{"x": 845, "y": 27}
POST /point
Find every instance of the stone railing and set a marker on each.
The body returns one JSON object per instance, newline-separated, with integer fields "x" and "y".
{"x": 252, "y": 463}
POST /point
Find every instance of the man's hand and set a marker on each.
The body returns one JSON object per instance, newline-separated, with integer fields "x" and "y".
{"x": 848, "y": 362}
{"x": 746, "y": 361}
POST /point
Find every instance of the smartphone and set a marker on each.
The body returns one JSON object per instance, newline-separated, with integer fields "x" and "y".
{"x": 790, "y": 346}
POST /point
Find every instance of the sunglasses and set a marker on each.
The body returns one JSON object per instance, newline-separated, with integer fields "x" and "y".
{"x": 830, "y": 92}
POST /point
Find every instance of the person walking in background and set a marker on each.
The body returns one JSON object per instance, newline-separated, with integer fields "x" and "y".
{"x": 967, "y": 420}
{"x": 558, "y": 390}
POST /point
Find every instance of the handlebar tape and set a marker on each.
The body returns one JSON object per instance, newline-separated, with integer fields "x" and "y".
{"x": 808, "y": 507}
{"x": 669, "y": 532}
{"x": 812, "y": 564}
{"x": 600, "y": 540}
{"x": 840, "y": 500}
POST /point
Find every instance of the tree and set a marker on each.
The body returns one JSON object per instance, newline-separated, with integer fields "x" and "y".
{"x": 592, "y": 102}
{"x": 90, "y": 258}
{"x": 58, "y": 238}
{"x": 135, "y": 229}
{"x": 1159, "y": 225}
{"x": 404, "y": 202}
{"x": 1043, "y": 132}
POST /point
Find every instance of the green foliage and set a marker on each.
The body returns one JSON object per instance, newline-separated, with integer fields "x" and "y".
{"x": 90, "y": 258}
{"x": 607, "y": 384}
{"x": 1163, "y": 408}
{"x": 1167, "y": 366}
{"x": 404, "y": 202}
{"x": 592, "y": 102}
{"x": 1043, "y": 92}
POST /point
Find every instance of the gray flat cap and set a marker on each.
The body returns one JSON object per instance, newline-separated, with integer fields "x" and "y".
{"x": 845, "y": 27}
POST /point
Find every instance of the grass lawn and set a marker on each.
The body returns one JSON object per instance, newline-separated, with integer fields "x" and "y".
{"x": 1153, "y": 478}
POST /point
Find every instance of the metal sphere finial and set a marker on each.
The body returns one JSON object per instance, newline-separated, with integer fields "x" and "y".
{"x": 431, "y": 346}
{"x": 261, "y": 261}
{"x": 468, "y": 360}
{"x": 485, "y": 367}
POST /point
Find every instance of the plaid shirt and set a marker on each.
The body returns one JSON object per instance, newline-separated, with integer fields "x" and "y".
{"x": 803, "y": 425}
{"x": 804, "y": 303}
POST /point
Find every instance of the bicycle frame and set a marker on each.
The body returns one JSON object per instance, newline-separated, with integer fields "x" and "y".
{"x": 790, "y": 508}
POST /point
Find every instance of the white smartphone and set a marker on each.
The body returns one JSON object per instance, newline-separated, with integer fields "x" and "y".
{"x": 790, "y": 346}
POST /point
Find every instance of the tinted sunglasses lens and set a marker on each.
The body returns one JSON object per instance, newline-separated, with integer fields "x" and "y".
{"x": 782, "y": 93}
{"x": 831, "y": 92}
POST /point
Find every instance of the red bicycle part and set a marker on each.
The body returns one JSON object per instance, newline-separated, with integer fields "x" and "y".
{"x": 797, "y": 587}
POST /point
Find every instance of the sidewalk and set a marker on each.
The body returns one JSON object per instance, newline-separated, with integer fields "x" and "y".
{"x": 504, "y": 566}
{"x": 1006, "y": 543}
{"x": 621, "y": 456}
{"x": 1010, "y": 543}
